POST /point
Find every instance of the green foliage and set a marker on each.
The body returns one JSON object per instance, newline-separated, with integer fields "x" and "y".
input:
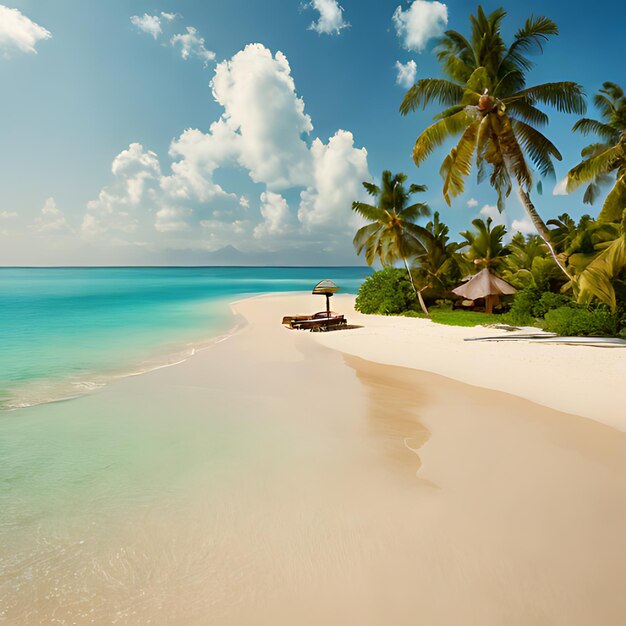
{"x": 486, "y": 248}
{"x": 437, "y": 265}
{"x": 608, "y": 157}
{"x": 530, "y": 264}
{"x": 488, "y": 104}
{"x": 387, "y": 292}
{"x": 531, "y": 304}
{"x": 550, "y": 301}
{"x": 391, "y": 234}
{"x": 580, "y": 322}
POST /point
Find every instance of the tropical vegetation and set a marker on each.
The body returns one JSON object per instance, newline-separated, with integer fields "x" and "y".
{"x": 570, "y": 276}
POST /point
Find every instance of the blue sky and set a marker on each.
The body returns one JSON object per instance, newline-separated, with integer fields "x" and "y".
{"x": 108, "y": 155}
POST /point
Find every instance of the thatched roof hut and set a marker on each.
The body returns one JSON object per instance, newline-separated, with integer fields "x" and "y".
{"x": 485, "y": 285}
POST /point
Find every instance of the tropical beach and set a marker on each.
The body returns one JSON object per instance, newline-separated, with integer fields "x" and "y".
{"x": 328, "y": 478}
{"x": 312, "y": 313}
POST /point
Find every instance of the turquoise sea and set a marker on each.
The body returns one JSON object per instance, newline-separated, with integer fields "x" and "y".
{"x": 66, "y": 331}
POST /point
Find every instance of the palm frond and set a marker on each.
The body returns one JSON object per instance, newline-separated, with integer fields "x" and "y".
{"x": 615, "y": 202}
{"x": 605, "y": 131}
{"x": 428, "y": 90}
{"x": 438, "y": 132}
{"x": 457, "y": 165}
{"x": 524, "y": 110}
{"x": 372, "y": 189}
{"x": 414, "y": 212}
{"x": 368, "y": 211}
{"x": 592, "y": 167}
{"x": 596, "y": 280}
{"x": 565, "y": 97}
{"x": 540, "y": 149}
{"x": 605, "y": 105}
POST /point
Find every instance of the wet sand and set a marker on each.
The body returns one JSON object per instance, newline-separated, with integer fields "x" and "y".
{"x": 273, "y": 480}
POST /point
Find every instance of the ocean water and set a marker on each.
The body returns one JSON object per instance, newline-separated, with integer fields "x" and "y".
{"x": 66, "y": 331}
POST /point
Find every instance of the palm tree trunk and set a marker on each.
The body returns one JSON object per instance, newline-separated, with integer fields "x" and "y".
{"x": 418, "y": 293}
{"x": 541, "y": 228}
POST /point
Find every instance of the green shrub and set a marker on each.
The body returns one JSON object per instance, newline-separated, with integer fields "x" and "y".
{"x": 521, "y": 312}
{"x": 387, "y": 292}
{"x": 550, "y": 301}
{"x": 531, "y": 304}
{"x": 580, "y": 322}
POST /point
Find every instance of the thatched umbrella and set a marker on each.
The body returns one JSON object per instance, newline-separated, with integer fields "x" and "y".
{"x": 485, "y": 285}
{"x": 326, "y": 288}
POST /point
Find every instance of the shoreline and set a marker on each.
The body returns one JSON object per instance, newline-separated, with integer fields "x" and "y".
{"x": 274, "y": 480}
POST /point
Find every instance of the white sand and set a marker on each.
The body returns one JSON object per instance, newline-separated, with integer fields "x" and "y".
{"x": 294, "y": 485}
{"x": 580, "y": 380}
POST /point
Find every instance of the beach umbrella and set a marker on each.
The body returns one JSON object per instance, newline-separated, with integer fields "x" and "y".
{"x": 484, "y": 285}
{"x": 326, "y": 288}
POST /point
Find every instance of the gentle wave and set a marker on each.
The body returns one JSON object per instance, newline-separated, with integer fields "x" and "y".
{"x": 46, "y": 392}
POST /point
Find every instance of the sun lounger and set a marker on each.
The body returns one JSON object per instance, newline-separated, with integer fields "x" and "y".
{"x": 319, "y": 321}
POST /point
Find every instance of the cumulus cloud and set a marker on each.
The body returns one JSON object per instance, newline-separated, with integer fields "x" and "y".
{"x": 560, "y": 189}
{"x": 276, "y": 216}
{"x": 263, "y": 133}
{"x": 338, "y": 171}
{"x": 7, "y": 215}
{"x": 406, "y": 73}
{"x": 191, "y": 45}
{"x": 51, "y": 219}
{"x": 149, "y": 24}
{"x": 18, "y": 33}
{"x": 472, "y": 202}
{"x": 419, "y": 23}
{"x": 491, "y": 211}
{"x": 524, "y": 226}
{"x": 265, "y": 116}
{"x": 331, "y": 20}
{"x": 137, "y": 174}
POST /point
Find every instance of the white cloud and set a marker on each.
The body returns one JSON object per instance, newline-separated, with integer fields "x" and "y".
{"x": 172, "y": 219}
{"x": 472, "y": 202}
{"x": 149, "y": 24}
{"x": 524, "y": 226}
{"x": 331, "y": 19}
{"x": 170, "y": 17}
{"x": 51, "y": 219}
{"x": 262, "y": 132}
{"x": 491, "y": 211}
{"x": 338, "y": 171}
{"x": 192, "y": 45}
{"x": 421, "y": 22}
{"x": 560, "y": 189}
{"x": 7, "y": 215}
{"x": 265, "y": 116}
{"x": 406, "y": 73}
{"x": 275, "y": 212}
{"x": 137, "y": 173}
{"x": 19, "y": 33}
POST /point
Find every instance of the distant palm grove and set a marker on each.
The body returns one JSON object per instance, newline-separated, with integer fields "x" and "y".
{"x": 571, "y": 276}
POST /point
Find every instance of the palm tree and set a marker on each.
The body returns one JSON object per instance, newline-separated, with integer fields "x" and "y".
{"x": 392, "y": 234}
{"x": 438, "y": 262}
{"x": 489, "y": 104}
{"x": 602, "y": 160}
{"x": 529, "y": 263}
{"x": 595, "y": 254}
{"x": 486, "y": 248}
